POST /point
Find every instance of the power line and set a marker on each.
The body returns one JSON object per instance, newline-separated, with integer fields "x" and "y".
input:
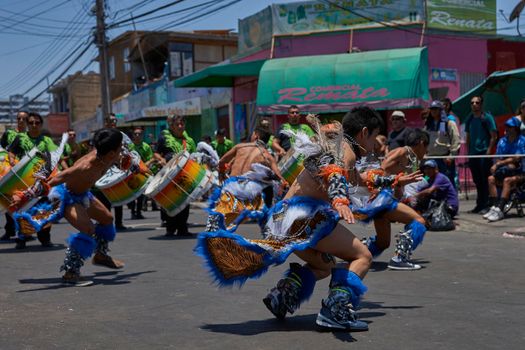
{"x": 75, "y": 60}
{"x": 44, "y": 58}
{"x": 145, "y": 13}
{"x": 171, "y": 13}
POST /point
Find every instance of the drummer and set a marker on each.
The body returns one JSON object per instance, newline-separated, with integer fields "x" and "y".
{"x": 22, "y": 144}
{"x": 172, "y": 141}
{"x": 72, "y": 150}
{"x": 111, "y": 123}
{"x": 5, "y": 142}
{"x": 71, "y": 187}
{"x": 282, "y": 143}
{"x": 146, "y": 155}
{"x": 222, "y": 144}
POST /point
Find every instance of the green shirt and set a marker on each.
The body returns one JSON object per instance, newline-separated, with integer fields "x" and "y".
{"x": 479, "y": 132}
{"x": 144, "y": 150}
{"x": 295, "y": 128}
{"x": 222, "y": 148}
{"x": 169, "y": 145}
{"x": 23, "y": 143}
{"x": 9, "y": 137}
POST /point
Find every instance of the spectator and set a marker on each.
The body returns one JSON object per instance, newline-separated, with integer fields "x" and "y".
{"x": 508, "y": 172}
{"x": 72, "y": 151}
{"x": 207, "y": 139}
{"x": 444, "y": 139}
{"x": 447, "y": 107}
{"x": 222, "y": 144}
{"x": 438, "y": 187}
{"x": 282, "y": 143}
{"x": 396, "y": 138}
{"x": 481, "y": 134}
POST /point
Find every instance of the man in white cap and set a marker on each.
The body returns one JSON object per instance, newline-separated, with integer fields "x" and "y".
{"x": 396, "y": 138}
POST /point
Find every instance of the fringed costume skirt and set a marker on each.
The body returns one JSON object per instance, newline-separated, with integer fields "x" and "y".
{"x": 293, "y": 224}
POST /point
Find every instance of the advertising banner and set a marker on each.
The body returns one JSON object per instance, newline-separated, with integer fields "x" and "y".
{"x": 255, "y": 31}
{"x": 311, "y": 16}
{"x": 474, "y": 16}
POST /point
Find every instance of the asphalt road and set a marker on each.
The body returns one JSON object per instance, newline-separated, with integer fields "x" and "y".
{"x": 469, "y": 295}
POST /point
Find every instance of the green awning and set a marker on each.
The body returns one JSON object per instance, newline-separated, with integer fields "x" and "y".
{"x": 221, "y": 75}
{"x": 387, "y": 79}
{"x": 502, "y": 93}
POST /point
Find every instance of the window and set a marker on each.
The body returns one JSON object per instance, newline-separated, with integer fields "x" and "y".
{"x": 125, "y": 55}
{"x": 112, "y": 68}
{"x": 181, "y": 59}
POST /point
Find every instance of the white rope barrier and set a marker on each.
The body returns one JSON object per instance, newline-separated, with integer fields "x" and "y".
{"x": 472, "y": 156}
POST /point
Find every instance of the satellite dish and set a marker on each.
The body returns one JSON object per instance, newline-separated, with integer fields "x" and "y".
{"x": 516, "y": 12}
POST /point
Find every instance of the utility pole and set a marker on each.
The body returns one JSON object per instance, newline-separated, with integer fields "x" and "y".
{"x": 103, "y": 59}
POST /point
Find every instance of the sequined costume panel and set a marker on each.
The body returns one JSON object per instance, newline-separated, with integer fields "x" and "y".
{"x": 293, "y": 224}
{"x": 49, "y": 210}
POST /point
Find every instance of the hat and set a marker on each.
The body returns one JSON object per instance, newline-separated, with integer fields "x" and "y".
{"x": 436, "y": 104}
{"x": 513, "y": 122}
{"x": 398, "y": 114}
{"x": 430, "y": 164}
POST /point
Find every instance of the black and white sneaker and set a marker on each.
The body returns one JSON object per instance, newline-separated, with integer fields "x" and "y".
{"x": 396, "y": 263}
{"x": 347, "y": 320}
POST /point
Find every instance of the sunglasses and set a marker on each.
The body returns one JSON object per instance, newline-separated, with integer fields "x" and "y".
{"x": 475, "y": 103}
{"x": 294, "y": 113}
{"x": 34, "y": 123}
{"x": 137, "y": 133}
{"x": 398, "y": 118}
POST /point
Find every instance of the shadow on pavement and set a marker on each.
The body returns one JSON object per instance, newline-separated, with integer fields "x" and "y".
{"x": 172, "y": 238}
{"x": 33, "y": 248}
{"x": 379, "y": 305}
{"x": 291, "y": 324}
{"x": 115, "y": 278}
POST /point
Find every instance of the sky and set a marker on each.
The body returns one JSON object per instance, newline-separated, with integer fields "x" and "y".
{"x": 37, "y": 36}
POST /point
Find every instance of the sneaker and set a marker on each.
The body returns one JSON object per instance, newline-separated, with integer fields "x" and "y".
{"x": 496, "y": 215}
{"x": 484, "y": 211}
{"x": 75, "y": 279}
{"x": 488, "y": 213}
{"x": 121, "y": 228}
{"x": 169, "y": 234}
{"x": 476, "y": 210}
{"x": 7, "y": 237}
{"x": 343, "y": 318}
{"x": 107, "y": 261}
{"x": 20, "y": 244}
{"x": 47, "y": 244}
{"x": 397, "y": 263}
{"x": 273, "y": 302}
{"x": 184, "y": 233}
{"x": 283, "y": 298}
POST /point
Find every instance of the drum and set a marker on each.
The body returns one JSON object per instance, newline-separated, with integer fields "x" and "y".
{"x": 291, "y": 166}
{"x": 19, "y": 178}
{"x": 121, "y": 187}
{"x": 4, "y": 162}
{"x": 181, "y": 181}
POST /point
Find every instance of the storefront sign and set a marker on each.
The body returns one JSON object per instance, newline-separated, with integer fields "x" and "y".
{"x": 327, "y": 94}
{"x": 440, "y": 74}
{"x": 476, "y": 16}
{"x": 186, "y": 107}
